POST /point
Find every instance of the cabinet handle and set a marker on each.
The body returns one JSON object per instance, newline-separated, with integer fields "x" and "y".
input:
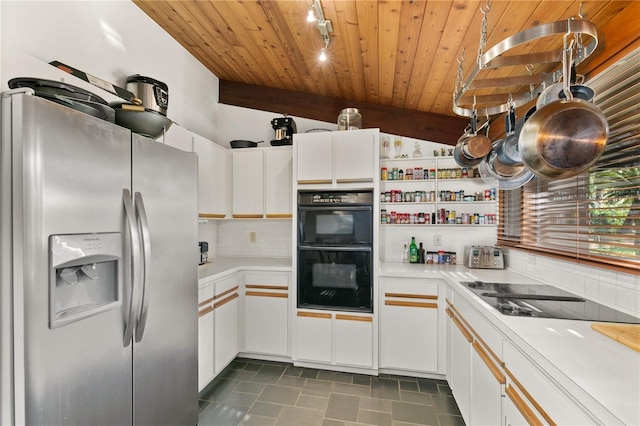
{"x": 529, "y": 397}
{"x": 267, "y": 287}
{"x": 212, "y": 215}
{"x": 279, "y": 215}
{"x": 462, "y": 329}
{"x": 353, "y": 318}
{"x": 412, "y": 296}
{"x": 354, "y": 180}
{"x": 209, "y": 300}
{"x": 314, "y": 182}
{"x": 225, "y": 301}
{"x": 499, "y": 375}
{"x": 411, "y": 304}
{"x": 524, "y": 409}
{"x": 205, "y": 311}
{"x": 266, "y": 294}
{"x": 314, "y": 315}
{"x": 449, "y": 312}
{"x": 247, "y": 216}
{"x": 231, "y": 290}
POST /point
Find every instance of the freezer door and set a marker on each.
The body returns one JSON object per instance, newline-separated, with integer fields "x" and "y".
{"x": 69, "y": 171}
{"x": 165, "y": 346}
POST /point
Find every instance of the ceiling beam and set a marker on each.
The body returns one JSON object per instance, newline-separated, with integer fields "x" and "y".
{"x": 396, "y": 121}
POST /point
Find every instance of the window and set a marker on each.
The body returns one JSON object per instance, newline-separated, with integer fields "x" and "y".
{"x": 595, "y": 216}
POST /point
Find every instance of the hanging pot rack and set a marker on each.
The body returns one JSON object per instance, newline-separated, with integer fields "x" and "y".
{"x": 473, "y": 94}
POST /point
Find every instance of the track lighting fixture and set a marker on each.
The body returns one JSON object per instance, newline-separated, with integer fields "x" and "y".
{"x": 323, "y": 25}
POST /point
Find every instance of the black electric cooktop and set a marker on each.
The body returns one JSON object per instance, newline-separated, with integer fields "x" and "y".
{"x": 544, "y": 301}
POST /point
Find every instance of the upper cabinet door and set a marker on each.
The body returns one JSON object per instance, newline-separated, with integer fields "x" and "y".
{"x": 314, "y": 157}
{"x": 355, "y": 153}
{"x": 248, "y": 184}
{"x": 278, "y": 182}
{"x": 213, "y": 178}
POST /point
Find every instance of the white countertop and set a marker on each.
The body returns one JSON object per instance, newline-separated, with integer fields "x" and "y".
{"x": 602, "y": 374}
{"x": 220, "y": 266}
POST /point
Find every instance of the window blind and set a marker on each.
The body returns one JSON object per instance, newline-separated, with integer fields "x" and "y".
{"x": 595, "y": 216}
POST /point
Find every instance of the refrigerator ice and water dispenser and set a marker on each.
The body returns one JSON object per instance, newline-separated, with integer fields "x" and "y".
{"x": 83, "y": 276}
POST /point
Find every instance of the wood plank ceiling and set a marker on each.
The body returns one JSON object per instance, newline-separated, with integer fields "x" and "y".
{"x": 395, "y": 60}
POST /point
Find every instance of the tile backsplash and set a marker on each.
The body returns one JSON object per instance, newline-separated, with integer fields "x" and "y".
{"x": 615, "y": 289}
{"x": 254, "y": 238}
{"x": 452, "y": 238}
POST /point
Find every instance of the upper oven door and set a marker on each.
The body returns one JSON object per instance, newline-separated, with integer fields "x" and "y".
{"x": 332, "y": 225}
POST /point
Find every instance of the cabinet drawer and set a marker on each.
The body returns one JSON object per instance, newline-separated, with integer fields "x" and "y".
{"x": 406, "y": 287}
{"x": 280, "y": 281}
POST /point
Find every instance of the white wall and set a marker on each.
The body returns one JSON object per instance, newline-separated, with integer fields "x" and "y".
{"x": 110, "y": 40}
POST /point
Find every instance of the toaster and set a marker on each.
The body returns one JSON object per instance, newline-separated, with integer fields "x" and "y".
{"x": 484, "y": 257}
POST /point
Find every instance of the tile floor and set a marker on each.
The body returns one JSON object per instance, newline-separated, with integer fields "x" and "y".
{"x": 252, "y": 392}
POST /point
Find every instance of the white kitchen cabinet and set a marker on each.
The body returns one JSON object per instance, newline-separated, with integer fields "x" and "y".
{"x": 460, "y": 380}
{"x": 486, "y": 387}
{"x": 278, "y": 178}
{"x": 333, "y": 158}
{"x": 314, "y": 157}
{"x": 532, "y": 397}
{"x": 266, "y": 313}
{"x": 205, "y": 336}
{"x": 226, "y": 306}
{"x": 337, "y": 339}
{"x": 313, "y": 337}
{"x": 355, "y": 154}
{"x": 409, "y": 327}
{"x": 262, "y": 182}
{"x": 213, "y": 180}
{"x": 248, "y": 183}
{"x": 353, "y": 340}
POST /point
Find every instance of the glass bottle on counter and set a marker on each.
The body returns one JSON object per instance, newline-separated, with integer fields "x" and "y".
{"x": 413, "y": 251}
{"x": 420, "y": 254}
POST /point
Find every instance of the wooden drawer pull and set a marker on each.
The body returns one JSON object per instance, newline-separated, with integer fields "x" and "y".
{"x": 224, "y": 293}
{"x": 225, "y": 301}
{"x": 279, "y": 215}
{"x": 209, "y": 300}
{"x": 266, "y": 294}
{"x": 353, "y": 318}
{"x": 524, "y": 409}
{"x": 314, "y": 182}
{"x": 247, "y": 216}
{"x": 267, "y": 287}
{"x": 354, "y": 180}
{"x": 411, "y": 304}
{"x": 205, "y": 311}
{"x": 527, "y": 395}
{"x": 449, "y": 312}
{"x": 212, "y": 215}
{"x": 412, "y": 296}
{"x": 314, "y": 315}
{"x": 495, "y": 370}
{"x": 463, "y": 329}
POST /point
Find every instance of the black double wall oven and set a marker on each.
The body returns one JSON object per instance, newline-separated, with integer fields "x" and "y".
{"x": 335, "y": 250}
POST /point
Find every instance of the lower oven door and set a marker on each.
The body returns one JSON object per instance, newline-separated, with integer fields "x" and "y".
{"x": 337, "y": 278}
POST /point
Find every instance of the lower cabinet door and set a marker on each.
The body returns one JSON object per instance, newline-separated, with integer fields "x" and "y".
{"x": 486, "y": 388}
{"x": 461, "y": 369}
{"x": 353, "y": 340}
{"x": 226, "y": 331}
{"x": 205, "y": 338}
{"x": 266, "y": 328}
{"x": 409, "y": 336}
{"x": 313, "y": 337}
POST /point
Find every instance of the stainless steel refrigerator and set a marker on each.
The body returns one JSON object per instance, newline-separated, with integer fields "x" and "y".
{"x": 99, "y": 254}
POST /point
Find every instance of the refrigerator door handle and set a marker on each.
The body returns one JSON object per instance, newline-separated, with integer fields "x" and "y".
{"x": 146, "y": 251}
{"x": 132, "y": 273}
